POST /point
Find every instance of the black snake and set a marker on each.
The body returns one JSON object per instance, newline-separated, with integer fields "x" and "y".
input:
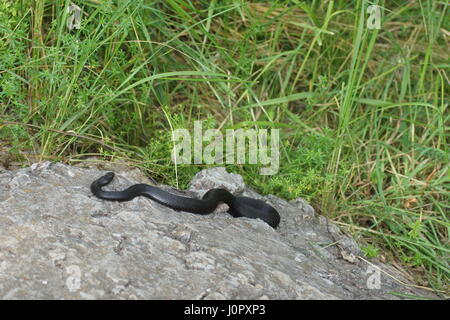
{"x": 238, "y": 206}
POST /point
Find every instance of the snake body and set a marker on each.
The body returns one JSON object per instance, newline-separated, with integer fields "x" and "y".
{"x": 239, "y": 206}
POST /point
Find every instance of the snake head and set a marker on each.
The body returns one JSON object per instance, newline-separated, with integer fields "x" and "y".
{"x": 104, "y": 180}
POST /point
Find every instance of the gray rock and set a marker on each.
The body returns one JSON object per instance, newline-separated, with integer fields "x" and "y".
{"x": 58, "y": 241}
{"x": 216, "y": 178}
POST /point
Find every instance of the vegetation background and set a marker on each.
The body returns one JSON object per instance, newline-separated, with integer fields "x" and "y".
{"x": 362, "y": 112}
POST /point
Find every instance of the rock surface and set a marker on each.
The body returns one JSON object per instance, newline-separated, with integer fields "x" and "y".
{"x": 57, "y": 241}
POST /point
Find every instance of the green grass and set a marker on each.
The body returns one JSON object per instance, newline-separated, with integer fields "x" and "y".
{"x": 362, "y": 113}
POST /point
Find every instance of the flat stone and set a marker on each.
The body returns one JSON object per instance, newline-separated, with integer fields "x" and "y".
{"x": 58, "y": 241}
